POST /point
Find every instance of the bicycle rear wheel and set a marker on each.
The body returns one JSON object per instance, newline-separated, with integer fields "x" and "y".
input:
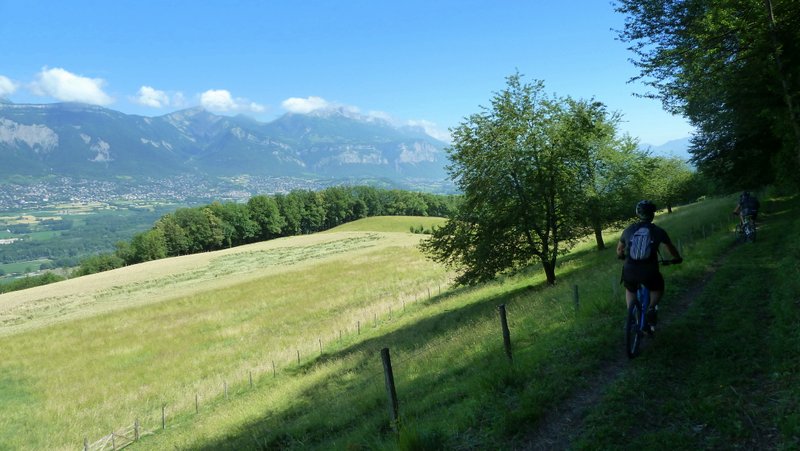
{"x": 750, "y": 230}
{"x": 633, "y": 334}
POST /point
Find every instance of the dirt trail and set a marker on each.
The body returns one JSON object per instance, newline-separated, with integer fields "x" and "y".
{"x": 560, "y": 426}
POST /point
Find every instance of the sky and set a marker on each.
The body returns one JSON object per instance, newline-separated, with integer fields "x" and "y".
{"x": 427, "y": 63}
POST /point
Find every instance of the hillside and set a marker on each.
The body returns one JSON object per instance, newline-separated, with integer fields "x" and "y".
{"x": 320, "y": 311}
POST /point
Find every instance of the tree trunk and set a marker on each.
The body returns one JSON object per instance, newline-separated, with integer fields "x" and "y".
{"x": 549, "y": 271}
{"x": 598, "y": 236}
{"x": 669, "y": 208}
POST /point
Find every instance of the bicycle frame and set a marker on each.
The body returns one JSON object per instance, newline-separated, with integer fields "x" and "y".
{"x": 637, "y": 322}
{"x": 746, "y": 228}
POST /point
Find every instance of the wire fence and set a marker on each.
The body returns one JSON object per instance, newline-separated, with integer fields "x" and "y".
{"x": 376, "y": 376}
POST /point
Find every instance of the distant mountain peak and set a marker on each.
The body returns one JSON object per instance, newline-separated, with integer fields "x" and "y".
{"x": 71, "y": 139}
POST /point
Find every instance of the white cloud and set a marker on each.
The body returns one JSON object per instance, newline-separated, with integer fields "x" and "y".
{"x": 151, "y": 97}
{"x": 305, "y": 106}
{"x": 221, "y": 100}
{"x": 6, "y": 86}
{"x": 68, "y": 87}
{"x": 432, "y": 129}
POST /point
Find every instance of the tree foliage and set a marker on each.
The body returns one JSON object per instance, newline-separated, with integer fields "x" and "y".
{"x": 219, "y": 225}
{"x": 732, "y": 67}
{"x": 523, "y": 165}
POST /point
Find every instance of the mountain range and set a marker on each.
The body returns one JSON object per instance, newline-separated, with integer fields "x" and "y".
{"x": 86, "y": 141}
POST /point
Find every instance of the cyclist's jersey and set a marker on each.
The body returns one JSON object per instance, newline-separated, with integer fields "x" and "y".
{"x": 657, "y": 236}
{"x": 749, "y": 206}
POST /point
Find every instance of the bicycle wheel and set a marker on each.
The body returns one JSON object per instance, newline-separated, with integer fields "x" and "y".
{"x": 750, "y": 230}
{"x": 633, "y": 335}
{"x": 740, "y": 236}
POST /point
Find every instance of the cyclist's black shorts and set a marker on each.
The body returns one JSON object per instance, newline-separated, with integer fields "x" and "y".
{"x": 633, "y": 275}
{"x": 750, "y": 212}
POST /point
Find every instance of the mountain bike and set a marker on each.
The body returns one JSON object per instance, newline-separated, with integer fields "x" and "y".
{"x": 636, "y": 325}
{"x": 746, "y": 229}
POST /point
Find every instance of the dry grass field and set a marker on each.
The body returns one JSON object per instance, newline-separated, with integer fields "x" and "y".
{"x": 87, "y": 355}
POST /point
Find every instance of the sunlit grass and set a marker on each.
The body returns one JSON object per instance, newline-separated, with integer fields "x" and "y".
{"x": 390, "y": 224}
{"x": 123, "y": 344}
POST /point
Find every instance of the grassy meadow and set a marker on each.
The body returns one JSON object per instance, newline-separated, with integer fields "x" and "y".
{"x": 175, "y": 334}
{"x": 88, "y": 355}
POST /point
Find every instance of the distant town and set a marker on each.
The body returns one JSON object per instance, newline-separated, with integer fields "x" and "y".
{"x": 180, "y": 189}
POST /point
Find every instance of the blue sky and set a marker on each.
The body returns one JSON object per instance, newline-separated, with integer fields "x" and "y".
{"x": 429, "y": 63}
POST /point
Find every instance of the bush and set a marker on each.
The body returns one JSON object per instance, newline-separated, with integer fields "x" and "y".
{"x": 30, "y": 282}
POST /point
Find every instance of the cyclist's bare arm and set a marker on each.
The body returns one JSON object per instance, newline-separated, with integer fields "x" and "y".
{"x": 620, "y": 250}
{"x": 673, "y": 250}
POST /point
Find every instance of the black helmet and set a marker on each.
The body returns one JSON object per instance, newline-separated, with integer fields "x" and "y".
{"x": 745, "y": 195}
{"x": 646, "y": 210}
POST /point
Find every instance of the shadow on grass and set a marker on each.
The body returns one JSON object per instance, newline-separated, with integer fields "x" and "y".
{"x": 267, "y": 432}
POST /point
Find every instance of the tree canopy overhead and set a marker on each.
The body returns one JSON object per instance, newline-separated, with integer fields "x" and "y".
{"x": 732, "y": 67}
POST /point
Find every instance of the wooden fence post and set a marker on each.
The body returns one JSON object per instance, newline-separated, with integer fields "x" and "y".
{"x": 390, "y": 388}
{"x": 163, "y": 416}
{"x": 506, "y": 333}
{"x": 113, "y": 442}
{"x": 320, "y": 346}
{"x": 298, "y": 357}
{"x": 251, "y": 378}
{"x": 85, "y": 444}
{"x": 225, "y": 388}
{"x": 196, "y": 403}
{"x": 136, "y": 430}
{"x": 576, "y": 298}
{"x": 274, "y": 374}
{"x": 358, "y": 325}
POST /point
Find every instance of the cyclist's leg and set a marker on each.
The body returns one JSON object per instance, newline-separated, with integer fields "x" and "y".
{"x": 630, "y": 279}
{"x": 630, "y": 296}
{"x": 655, "y": 284}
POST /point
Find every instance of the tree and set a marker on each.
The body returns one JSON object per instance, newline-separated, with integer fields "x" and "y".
{"x": 733, "y": 69}
{"x": 669, "y": 182}
{"x": 264, "y": 212}
{"x": 239, "y": 226}
{"x": 336, "y": 202}
{"x": 149, "y": 245}
{"x": 521, "y": 165}
{"x": 176, "y": 239}
{"x": 618, "y": 181}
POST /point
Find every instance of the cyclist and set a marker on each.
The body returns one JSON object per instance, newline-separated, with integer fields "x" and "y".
{"x": 748, "y": 206}
{"x": 638, "y": 246}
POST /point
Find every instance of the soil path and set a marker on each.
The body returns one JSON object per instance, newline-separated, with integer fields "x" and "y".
{"x": 560, "y": 426}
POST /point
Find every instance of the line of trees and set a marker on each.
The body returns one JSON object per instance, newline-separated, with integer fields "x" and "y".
{"x": 222, "y": 225}
{"x": 732, "y": 68}
{"x": 539, "y": 172}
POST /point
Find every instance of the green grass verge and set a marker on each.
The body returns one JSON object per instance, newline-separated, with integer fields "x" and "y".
{"x": 456, "y": 388}
{"x": 727, "y": 374}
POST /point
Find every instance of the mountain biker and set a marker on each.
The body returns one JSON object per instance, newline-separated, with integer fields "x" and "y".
{"x": 748, "y": 206}
{"x": 640, "y": 270}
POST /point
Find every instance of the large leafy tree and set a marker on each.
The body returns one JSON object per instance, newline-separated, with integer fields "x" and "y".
{"x": 669, "y": 182}
{"x": 619, "y": 178}
{"x": 732, "y": 67}
{"x": 522, "y": 165}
